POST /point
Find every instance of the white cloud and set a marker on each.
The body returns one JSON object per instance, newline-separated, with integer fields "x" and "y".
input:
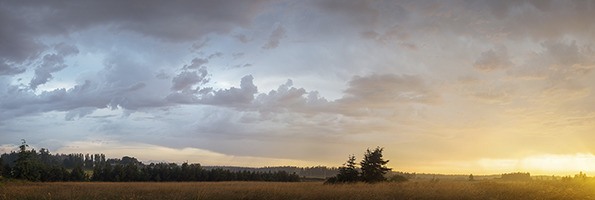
{"x": 233, "y": 96}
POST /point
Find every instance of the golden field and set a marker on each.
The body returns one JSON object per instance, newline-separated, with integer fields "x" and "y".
{"x": 304, "y": 190}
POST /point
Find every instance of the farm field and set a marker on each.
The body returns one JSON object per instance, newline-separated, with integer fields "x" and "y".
{"x": 301, "y": 190}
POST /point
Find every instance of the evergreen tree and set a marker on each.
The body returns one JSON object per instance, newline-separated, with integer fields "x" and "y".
{"x": 99, "y": 172}
{"x": 78, "y": 174}
{"x": 348, "y": 172}
{"x": 6, "y": 171}
{"x": 1, "y": 167}
{"x": 27, "y": 166}
{"x": 373, "y": 166}
{"x": 43, "y": 166}
{"x": 88, "y": 161}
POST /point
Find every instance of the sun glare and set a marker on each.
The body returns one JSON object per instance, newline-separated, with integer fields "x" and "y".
{"x": 556, "y": 164}
{"x": 561, "y": 164}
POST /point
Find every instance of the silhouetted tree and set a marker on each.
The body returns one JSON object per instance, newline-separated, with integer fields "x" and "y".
{"x": 56, "y": 173}
{"x": 27, "y": 166}
{"x": 471, "y": 177}
{"x": 43, "y": 166}
{"x": 88, "y": 163}
{"x": 45, "y": 157}
{"x": 373, "y": 166}
{"x": 78, "y": 174}
{"x": 130, "y": 172}
{"x": 6, "y": 171}
{"x": 580, "y": 176}
{"x": 348, "y": 172}
{"x": 517, "y": 176}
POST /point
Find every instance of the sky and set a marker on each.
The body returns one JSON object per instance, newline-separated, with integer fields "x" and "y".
{"x": 449, "y": 86}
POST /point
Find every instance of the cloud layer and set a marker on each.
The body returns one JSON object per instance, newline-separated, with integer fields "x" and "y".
{"x": 303, "y": 82}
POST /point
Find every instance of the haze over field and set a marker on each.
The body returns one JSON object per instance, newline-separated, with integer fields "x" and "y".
{"x": 445, "y": 86}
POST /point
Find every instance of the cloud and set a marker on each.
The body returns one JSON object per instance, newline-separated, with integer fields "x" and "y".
{"x": 173, "y": 21}
{"x": 186, "y": 79}
{"x": 51, "y": 63}
{"x": 145, "y": 68}
{"x": 368, "y": 92}
{"x": 196, "y": 63}
{"x": 242, "y": 38}
{"x": 493, "y": 96}
{"x": 176, "y": 21}
{"x": 78, "y": 113}
{"x": 242, "y": 66}
{"x": 493, "y": 60}
{"x": 8, "y": 69}
{"x": 392, "y": 35}
{"x": 290, "y": 99}
{"x": 561, "y": 68}
{"x": 353, "y": 12}
{"x": 562, "y": 91}
{"x": 556, "y": 61}
{"x": 17, "y": 42}
{"x": 237, "y": 55}
{"x": 568, "y": 56}
{"x": 275, "y": 38}
{"x": 233, "y": 96}
{"x": 121, "y": 84}
{"x": 187, "y": 85}
{"x": 377, "y": 91}
{"x": 541, "y": 19}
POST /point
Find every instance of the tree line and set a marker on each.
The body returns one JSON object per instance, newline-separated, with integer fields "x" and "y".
{"x": 162, "y": 172}
{"x": 28, "y": 164}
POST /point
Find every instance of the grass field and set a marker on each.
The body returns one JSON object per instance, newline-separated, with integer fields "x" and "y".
{"x": 305, "y": 190}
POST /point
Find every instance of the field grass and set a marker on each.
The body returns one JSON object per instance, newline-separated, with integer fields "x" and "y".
{"x": 305, "y": 190}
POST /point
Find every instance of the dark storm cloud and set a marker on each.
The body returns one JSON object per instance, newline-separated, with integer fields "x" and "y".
{"x": 16, "y": 43}
{"x": 177, "y": 20}
{"x": 8, "y": 69}
{"x": 122, "y": 83}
